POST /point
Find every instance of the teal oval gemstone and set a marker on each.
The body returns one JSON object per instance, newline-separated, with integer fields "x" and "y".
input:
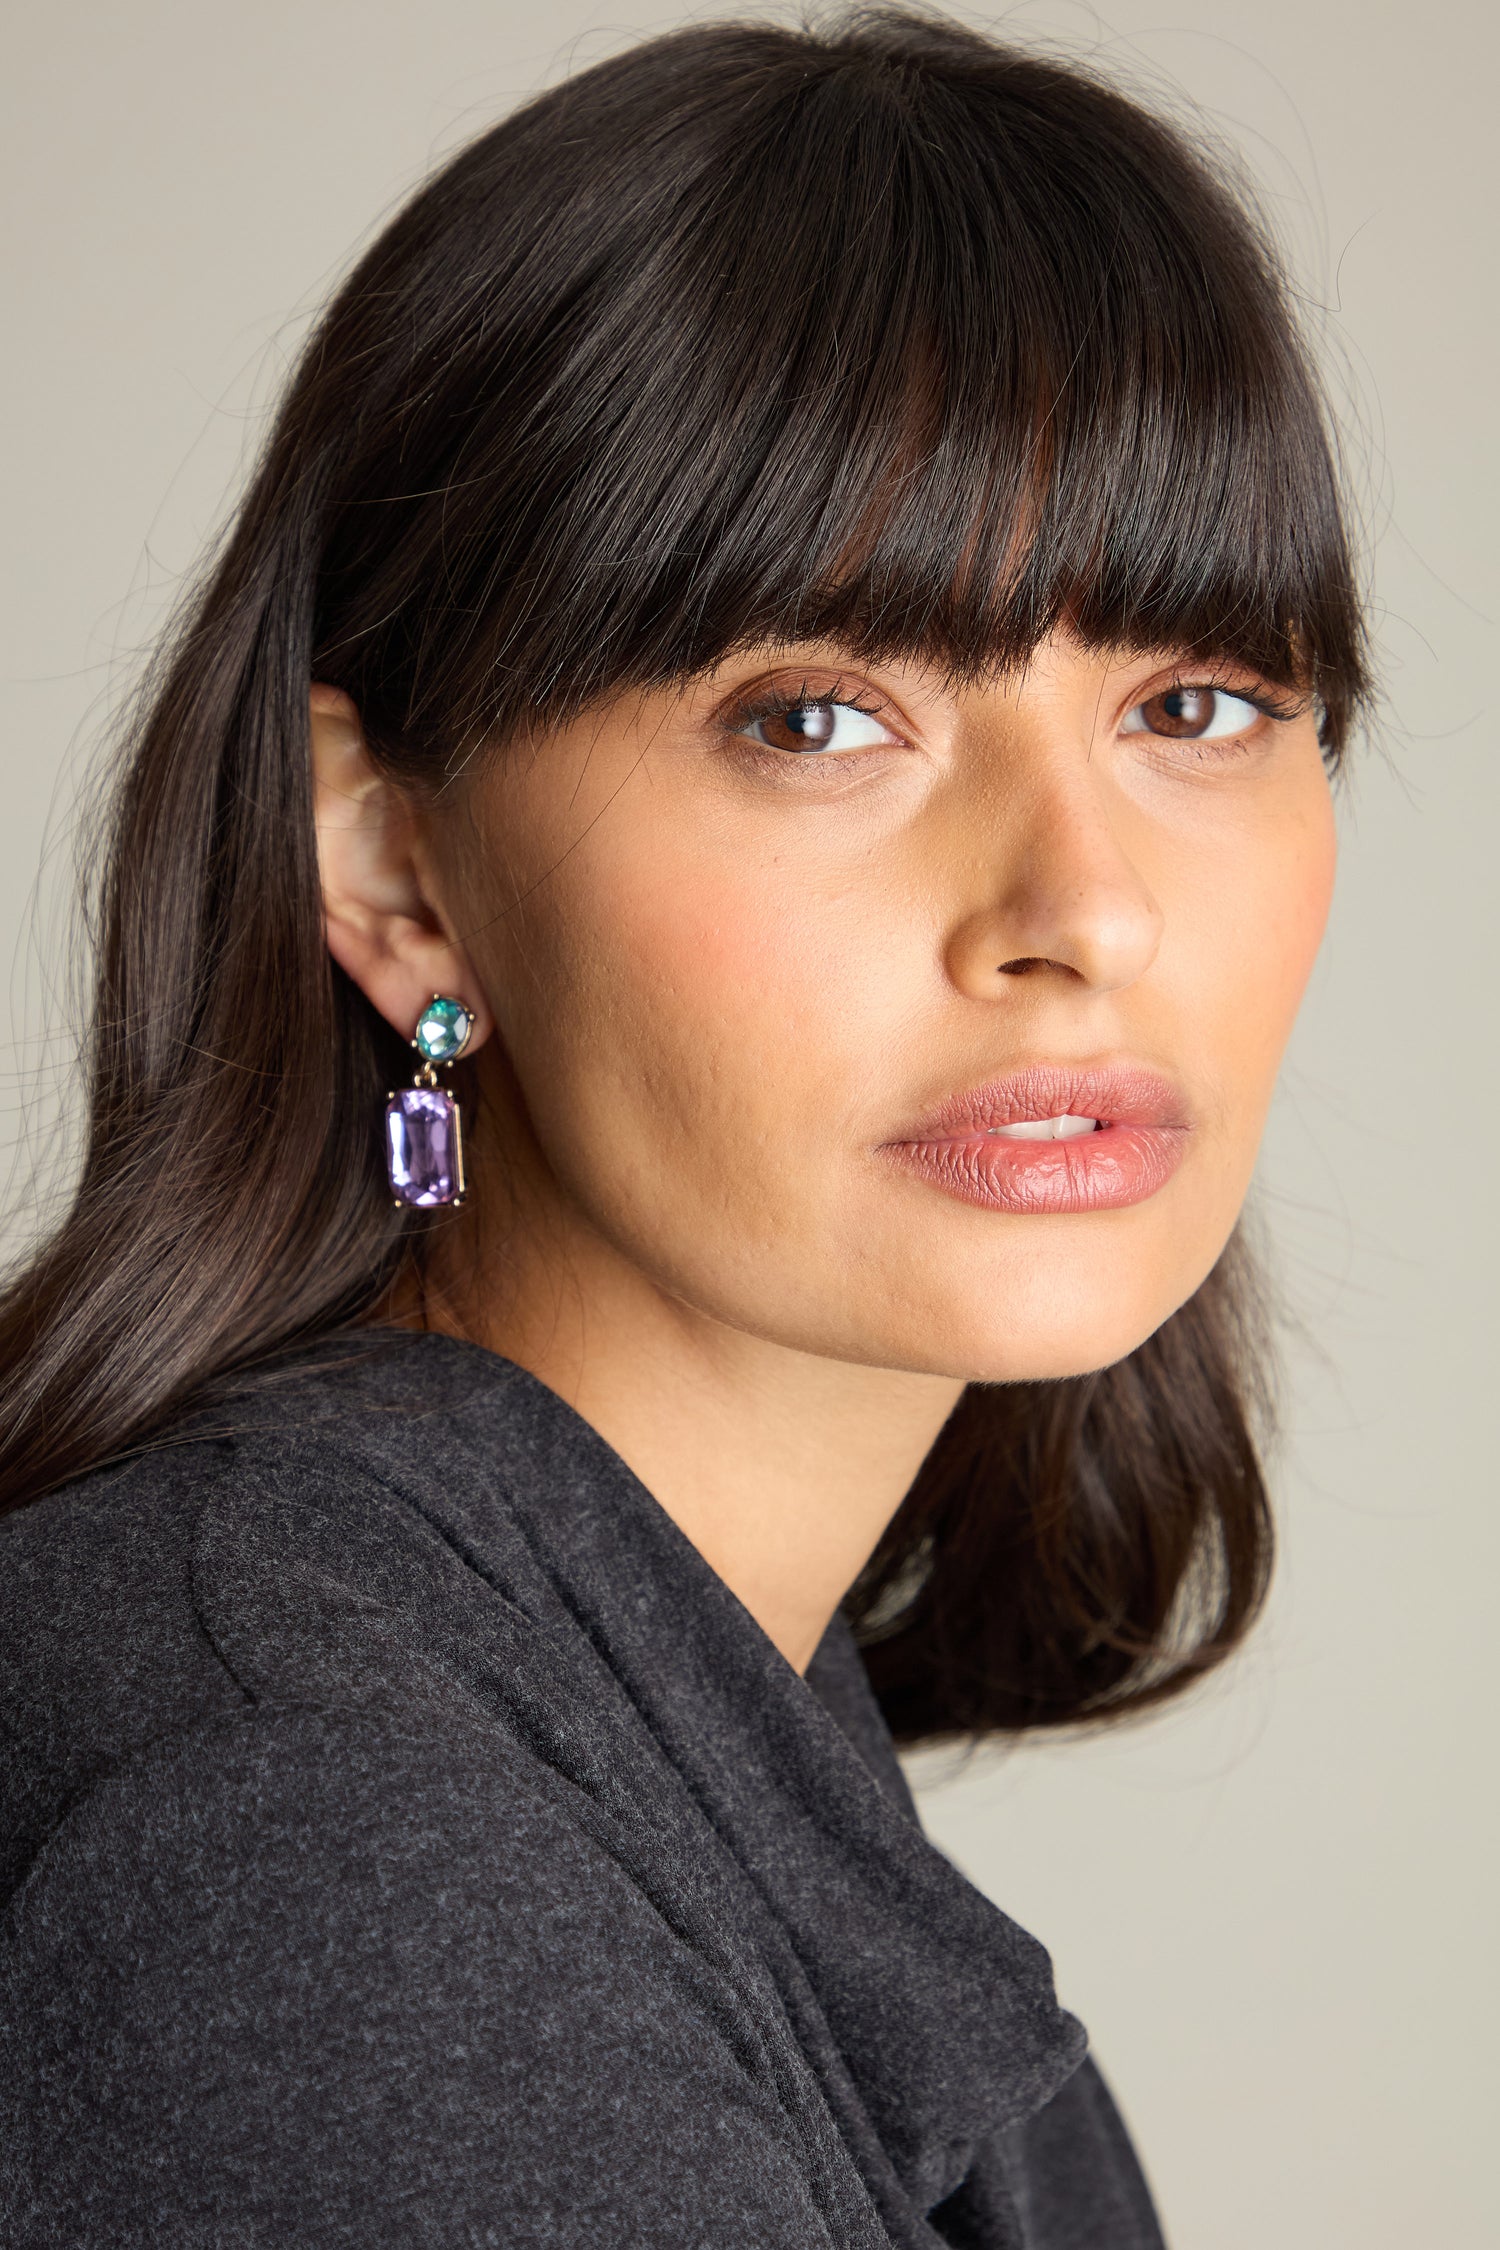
{"x": 442, "y": 1030}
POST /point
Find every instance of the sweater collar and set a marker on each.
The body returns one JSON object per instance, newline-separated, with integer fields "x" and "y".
{"x": 943, "y": 2008}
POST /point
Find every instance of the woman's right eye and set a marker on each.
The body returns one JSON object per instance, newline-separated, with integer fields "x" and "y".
{"x": 822, "y": 725}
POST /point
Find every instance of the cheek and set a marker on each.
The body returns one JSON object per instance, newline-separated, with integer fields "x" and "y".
{"x": 1250, "y": 929}
{"x": 680, "y": 1005}
{"x": 752, "y": 986}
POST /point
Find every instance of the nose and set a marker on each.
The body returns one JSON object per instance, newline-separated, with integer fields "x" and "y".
{"x": 1063, "y": 899}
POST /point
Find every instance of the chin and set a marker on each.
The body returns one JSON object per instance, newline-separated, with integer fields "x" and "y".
{"x": 1061, "y": 1297}
{"x": 1042, "y": 1327}
{"x": 1052, "y": 1359}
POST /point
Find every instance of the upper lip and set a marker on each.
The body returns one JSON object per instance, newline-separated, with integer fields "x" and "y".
{"x": 1114, "y": 1093}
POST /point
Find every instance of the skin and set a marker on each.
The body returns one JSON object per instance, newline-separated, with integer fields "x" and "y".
{"x": 713, "y": 978}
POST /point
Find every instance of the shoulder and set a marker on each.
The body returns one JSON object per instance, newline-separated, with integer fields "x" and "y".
{"x": 350, "y": 1960}
{"x": 351, "y": 1887}
{"x": 265, "y": 1556}
{"x": 99, "y": 1632}
{"x": 268, "y": 1840}
{"x": 276, "y": 1770}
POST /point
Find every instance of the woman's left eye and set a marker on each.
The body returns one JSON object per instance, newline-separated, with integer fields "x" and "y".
{"x": 1193, "y": 714}
{"x": 822, "y": 725}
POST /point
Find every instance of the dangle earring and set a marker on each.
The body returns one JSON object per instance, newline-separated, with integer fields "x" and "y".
{"x": 424, "y": 1150}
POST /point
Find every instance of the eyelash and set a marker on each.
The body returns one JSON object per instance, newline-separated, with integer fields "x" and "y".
{"x": 775, "y": 702}
{"x": 1270, "y": 705}
{"x": 1206, "y": 748}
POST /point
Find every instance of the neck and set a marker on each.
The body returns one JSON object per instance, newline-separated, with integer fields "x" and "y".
{"x": 781, "y": 1467}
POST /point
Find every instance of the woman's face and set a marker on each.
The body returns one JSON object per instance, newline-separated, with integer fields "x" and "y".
{"x": 925, "y": 1028}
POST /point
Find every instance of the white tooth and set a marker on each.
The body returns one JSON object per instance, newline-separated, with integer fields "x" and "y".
{"x": 1063, "y": 1128}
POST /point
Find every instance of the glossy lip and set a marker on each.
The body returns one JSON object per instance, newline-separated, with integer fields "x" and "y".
{"x": 1141, "y": 1140}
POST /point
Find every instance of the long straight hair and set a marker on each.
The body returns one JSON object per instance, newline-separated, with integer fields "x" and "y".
{"x": 879, "y": 331}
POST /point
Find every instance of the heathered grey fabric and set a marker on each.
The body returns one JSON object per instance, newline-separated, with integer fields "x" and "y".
{"x": 409, "y": 1840}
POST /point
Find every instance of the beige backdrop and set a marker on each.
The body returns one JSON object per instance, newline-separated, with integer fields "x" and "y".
{"x": 1270, "y": 1906}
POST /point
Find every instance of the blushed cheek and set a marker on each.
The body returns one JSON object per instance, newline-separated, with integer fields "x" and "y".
{"x": 722, "y": 938}
{"x": 735, "y": 976}
{"x": 1304, "y": 899}
{"x": 1280, "y": 929}
{"x": 665, "y": 1011}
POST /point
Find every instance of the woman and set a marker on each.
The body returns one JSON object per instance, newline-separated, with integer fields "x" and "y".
{"x": 790, "y": 639}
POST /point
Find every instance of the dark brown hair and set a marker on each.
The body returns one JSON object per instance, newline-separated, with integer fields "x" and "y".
{"x": 879, "y": 331}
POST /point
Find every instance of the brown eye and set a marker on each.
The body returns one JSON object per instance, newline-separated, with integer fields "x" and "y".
{"x": 1193, "y": 714}
{"x": 806, "y": 726}
{"x": 818, "y": 726}
{"x": 1181, "y": 711}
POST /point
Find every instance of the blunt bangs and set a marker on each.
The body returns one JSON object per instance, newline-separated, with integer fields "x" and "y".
{"x": 898, "y": 338}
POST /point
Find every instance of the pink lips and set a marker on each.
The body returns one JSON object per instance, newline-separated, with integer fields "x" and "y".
{"x": 1141, "y": 1134}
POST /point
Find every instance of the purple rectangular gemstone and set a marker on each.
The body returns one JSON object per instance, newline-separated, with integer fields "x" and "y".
{"x": 423, "y": 1148}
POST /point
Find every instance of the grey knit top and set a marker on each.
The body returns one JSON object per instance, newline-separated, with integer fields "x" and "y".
{"x": 407, "y": 1839}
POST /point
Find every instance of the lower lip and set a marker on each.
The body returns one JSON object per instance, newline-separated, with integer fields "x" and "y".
{"x": 1106, "y": 1170}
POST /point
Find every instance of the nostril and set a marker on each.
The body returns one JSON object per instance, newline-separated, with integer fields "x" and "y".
{"x": 1027, "y": 964}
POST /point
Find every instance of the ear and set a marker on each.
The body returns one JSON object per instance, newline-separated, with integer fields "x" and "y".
{"x": 386, "y": 928}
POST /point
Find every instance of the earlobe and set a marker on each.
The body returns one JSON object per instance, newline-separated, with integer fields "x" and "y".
{"x": 386, "y": 927}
